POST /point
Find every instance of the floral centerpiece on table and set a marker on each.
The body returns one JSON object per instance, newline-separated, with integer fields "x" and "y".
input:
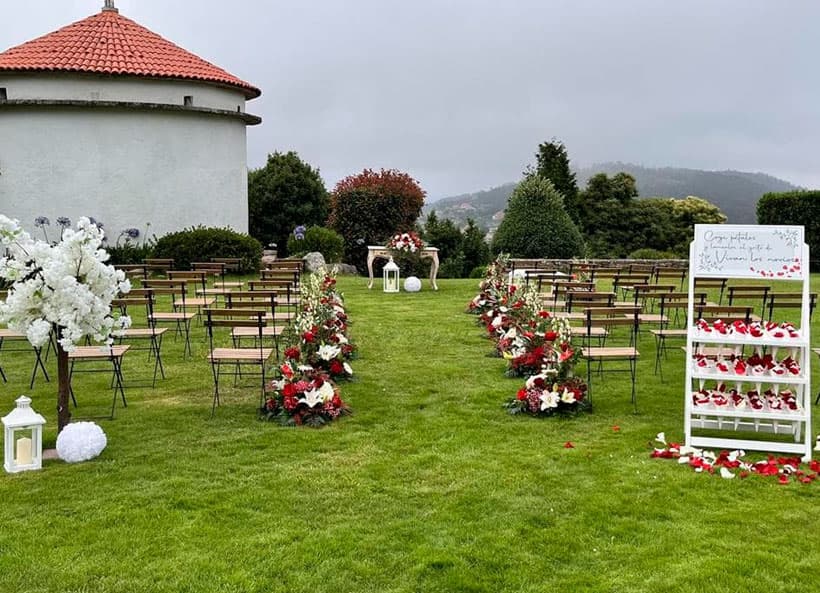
{"x": 302, "y": 397}
{"x": 408, "y": 242}
{"x": 542, "y": 395}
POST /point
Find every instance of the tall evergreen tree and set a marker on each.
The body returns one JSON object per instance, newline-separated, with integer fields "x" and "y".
{"x": 283, "y": 194}
{"x": 552, "y": 163}
{"x": 536, "y": 224}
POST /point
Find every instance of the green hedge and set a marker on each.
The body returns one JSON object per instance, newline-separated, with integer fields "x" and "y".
{"x": 200, "y": 244}
{"x": 794, "y": 207}
{"x": 326, "y": 241}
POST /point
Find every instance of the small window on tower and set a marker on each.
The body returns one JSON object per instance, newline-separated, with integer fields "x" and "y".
{"x": 3, "y": 94}
{"x": 189, "y": 101}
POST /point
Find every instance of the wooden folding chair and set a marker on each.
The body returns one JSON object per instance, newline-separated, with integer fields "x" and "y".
{"x": 158, "y": 264}
{"x": 177, "y": 290}
{"x": 677, "y": 275}
{"x": 626, "y": 281}
{"x": 284, "y": 288}
{"x": 669, "y": 303}
{"x": 611, "y": 318}
{"x": 199, "y": 279}
{"x": 258, "y": 299}
{"x": 237, "y": 357}
{"x": 144, "y": 297}
{"x": 790, "y": 300}
{"x": 90, "y": 354}
{"x": 581, "y": 299}
{"x": 750, "y": 292}
{"x": 712, "y": 283}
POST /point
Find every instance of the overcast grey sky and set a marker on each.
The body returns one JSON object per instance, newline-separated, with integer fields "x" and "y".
{"x": 460, "y": 92}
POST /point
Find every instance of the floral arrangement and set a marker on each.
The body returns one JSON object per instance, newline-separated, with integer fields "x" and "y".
{"x": 65, "y": 288}
{"x": 731, "y": 464}
{"x": 318, "y": 354}
{"x": 408, "y": 242}
{"x": 535, "y": 344}
{"x": 542, "y": 396}
{"x": 302, "y": 396}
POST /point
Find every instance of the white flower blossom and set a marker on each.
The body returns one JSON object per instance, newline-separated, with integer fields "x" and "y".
{"x": 549, "y": 399}
{"x": 67, "y": 285}
{"x": 328, "y": 352}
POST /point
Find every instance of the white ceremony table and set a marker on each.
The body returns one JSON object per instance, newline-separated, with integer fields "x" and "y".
{"x": 375, "y": 252}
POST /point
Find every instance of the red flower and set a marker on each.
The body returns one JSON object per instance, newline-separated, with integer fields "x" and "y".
{"x": 569, "y": 445}
{"x": 783, "y": 479}
{"x": 544, "y": 314}
{"x": 308, "y": 336}
{"x": 550, "y": 336}
{"x": 292, "y": 353}
{"x": 290, "y": 403}
{"x": 336, "y": 368}
{"x": 289, "y": 390}
{"x": 522, "y": 394}
{"x": 616, "y": 428}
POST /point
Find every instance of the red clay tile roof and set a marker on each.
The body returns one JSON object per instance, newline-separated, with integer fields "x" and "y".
{"x": 109, "y": 43}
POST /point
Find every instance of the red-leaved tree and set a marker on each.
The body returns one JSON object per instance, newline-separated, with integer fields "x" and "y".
{"x": 369, "y": 207}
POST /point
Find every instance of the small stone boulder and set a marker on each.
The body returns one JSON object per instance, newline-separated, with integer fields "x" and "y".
{"x": 313, "y": 261}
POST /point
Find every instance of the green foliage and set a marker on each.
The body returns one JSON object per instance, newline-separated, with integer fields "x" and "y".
{"x": 536, "y": 225}
{"x": 324, "y": 240}
{"x": 129, "y": 252}
{"x": 616, "y": 224}
{"x": 286, "y": 192}
{"x": 474, "y": 248}
{"x": 200, "y": 244}
{"x": 369, "y": 207}
{"x": 795, "y": 207}
{"x": 459, "y": 252}
{"x": 553, "y": 164}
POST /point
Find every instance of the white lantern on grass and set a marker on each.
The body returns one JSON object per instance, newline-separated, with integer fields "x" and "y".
{"x": 391, "y": 276}
{"x": 23, "y": 434}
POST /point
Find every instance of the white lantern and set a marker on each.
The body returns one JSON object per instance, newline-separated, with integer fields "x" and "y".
{"x": 23, "y": 438}
{"x": 391, "y": 276}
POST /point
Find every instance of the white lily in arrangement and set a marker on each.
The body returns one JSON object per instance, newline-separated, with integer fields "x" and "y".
{"x": 549, "y": 399}
{"x": 311, "y": 398}
{"x": 328, "y": 352}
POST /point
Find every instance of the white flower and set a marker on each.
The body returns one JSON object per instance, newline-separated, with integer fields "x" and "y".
{"x": 348, "y": 368}
{"x": 549, "y": 399}
{"x": 311, "y": 398}
{"x": 328, "y": 352}
{"x": 568, "y": 397}
{"x": 304, "y": 368}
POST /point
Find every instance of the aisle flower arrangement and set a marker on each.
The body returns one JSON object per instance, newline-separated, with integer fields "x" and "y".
{"x": 536, "y": 345}
{"x": 318, "y": 354}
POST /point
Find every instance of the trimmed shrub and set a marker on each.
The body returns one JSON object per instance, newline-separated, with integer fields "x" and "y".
{"x": 317, "y": 238}
{"x": 200, "y": 244}
{"x": 129, "y": 253}
{"x": 535, "y": 224}
{"x": 795, "y": 207}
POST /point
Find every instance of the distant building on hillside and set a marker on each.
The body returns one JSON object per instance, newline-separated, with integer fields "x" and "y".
{"x": 105, "y": 118}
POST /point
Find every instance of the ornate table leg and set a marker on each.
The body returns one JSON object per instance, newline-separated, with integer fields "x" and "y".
{"x": 434, "y": 269}
{"x": 370, "y": 258}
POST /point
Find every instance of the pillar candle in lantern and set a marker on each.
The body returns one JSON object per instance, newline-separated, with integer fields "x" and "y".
{"x": 23, "y": 451}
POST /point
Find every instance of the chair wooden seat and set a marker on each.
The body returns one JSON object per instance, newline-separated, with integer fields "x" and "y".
{"x": 195, "y": 302}
{"x": 609, "y": 352}
{"x": 113, "y": 354}
{"x": 241, "y": 354}
{"x": 595, "y": 332}
{"x": 652, "y": 318}
{"x": 269, "y": 331}
{"x": 143, "y": 332}
{"x": 98, "y": 352}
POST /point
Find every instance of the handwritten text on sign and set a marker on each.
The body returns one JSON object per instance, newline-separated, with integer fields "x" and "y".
{"x": 748, "y": 251}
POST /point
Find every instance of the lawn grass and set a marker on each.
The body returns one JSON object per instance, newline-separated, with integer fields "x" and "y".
{"x": 429, "y": 486}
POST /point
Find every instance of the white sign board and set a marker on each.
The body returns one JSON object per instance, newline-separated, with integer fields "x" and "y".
{"x": 748, "y": 251}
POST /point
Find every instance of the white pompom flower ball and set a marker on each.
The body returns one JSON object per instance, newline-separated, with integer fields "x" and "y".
{"x": 412, "y": 284}
{"x": 80, "y": 441}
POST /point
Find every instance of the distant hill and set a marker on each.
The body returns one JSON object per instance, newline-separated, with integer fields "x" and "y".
{"x": 735, "y": 192}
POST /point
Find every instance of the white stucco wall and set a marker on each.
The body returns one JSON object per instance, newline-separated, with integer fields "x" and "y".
{"x": 124, "y": 168}
{"x": 131, "y": 89}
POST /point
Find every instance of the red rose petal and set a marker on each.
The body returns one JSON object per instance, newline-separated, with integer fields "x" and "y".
{"x": 569, "y": 445}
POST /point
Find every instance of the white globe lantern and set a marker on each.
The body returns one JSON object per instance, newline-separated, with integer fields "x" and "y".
{"x": 23, "y": 433}
{"x": 412, "y": 284}
{"x": 391, "y": 276}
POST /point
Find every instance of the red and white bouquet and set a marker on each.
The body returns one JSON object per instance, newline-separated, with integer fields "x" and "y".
{"x": 408, "y": 242}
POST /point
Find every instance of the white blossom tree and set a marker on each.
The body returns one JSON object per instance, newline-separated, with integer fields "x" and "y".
{"x": 65, "y": 288}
